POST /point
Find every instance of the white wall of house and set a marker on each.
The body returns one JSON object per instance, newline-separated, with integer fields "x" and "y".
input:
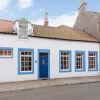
{"x": 9, "y": 66}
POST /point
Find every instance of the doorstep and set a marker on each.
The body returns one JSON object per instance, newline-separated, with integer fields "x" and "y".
{"x": 14, "y": 86}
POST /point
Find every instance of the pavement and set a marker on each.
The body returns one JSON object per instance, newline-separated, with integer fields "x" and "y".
{"x": 66, "y": 92}
{"x": 14, "y": 86}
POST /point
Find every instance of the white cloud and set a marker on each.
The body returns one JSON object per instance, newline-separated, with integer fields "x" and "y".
{"x": 4, "y": 4}
{"x": 35, "y": 12}
{"x": 22, "y": 4}
{"x": 65, "y": 19}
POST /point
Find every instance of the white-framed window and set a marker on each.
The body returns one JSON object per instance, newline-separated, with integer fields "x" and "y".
{"x": 65, "y": 60}
{"x": 93, "y": 60}
{"x": 26, "y": 62}
{"x": 6, "y": 52}
{"x": 80, "y": 60}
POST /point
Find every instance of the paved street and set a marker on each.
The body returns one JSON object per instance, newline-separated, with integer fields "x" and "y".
{"x": 69, "y": 92}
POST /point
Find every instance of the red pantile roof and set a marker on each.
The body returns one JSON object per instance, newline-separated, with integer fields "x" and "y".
{"x": 6, "y": 26}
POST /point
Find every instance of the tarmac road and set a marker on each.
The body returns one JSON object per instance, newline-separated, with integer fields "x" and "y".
{"x": 69, "y": 92}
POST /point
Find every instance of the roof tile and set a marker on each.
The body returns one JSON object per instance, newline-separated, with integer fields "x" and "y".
{"x": 6, "y": 26}
{"x": 61, "y": 32}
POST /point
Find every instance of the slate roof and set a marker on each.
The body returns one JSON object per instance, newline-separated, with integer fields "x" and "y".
{"x": 60, "y": 32}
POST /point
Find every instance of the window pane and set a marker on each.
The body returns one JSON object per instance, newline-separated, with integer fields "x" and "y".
{"x": 5, "y": 53}
{"x": 22, "y": 64}
{"x": 62, "y": 58}
{"x": 61, "y": 67}
{"x": 30, "y": 53}
{"x": 65, "y": 58}
{"x": 26, "y": 68}
{"x": 67, "y": 66}
{"x": 30, "y": 64}
{"x": 26, "y": 63}
{"x": 26, "y": 53}
{"x": 22, "y": 53}
{"x": 22, "y": 69}
{"x": 30, "y": 58}
{"x": 22, "y": 59}
{"x": 1, "y": 52}
{"x": 30, "y": 68}
{"x": 26, "y": 59}
{"x": 61, "y": 53}
{"x": 9, "y": 53}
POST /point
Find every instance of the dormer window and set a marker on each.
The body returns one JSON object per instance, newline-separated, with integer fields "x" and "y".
{"x": 23, "y": 27}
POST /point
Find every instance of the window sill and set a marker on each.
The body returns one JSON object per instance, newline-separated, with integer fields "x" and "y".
{"x": 61, "y": 71}
{"x": 25, "y": 73}
{"x": 92, "y": 70}
{"x": 6, "y": 56}
{"x": 77, "y": 70}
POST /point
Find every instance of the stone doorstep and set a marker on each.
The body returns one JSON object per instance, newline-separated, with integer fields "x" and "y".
{"x": 46, "y": 83}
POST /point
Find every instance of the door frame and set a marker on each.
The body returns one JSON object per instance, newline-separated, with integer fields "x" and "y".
{"x": 44, "y": 51}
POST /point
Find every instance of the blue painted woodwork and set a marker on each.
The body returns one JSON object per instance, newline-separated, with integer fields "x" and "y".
{"x": 43, "y": 63}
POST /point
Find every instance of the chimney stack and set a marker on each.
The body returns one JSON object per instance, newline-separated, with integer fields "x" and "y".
{"x": 83, "y": 6}
{"x": 46, "y": 22}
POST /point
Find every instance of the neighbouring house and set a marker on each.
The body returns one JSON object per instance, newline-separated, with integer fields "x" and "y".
{"x": 33, "y": 52}
{"x": 88, "y": 21}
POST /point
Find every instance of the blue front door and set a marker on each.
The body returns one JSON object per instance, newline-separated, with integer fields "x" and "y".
{"x": 43, "y": 65}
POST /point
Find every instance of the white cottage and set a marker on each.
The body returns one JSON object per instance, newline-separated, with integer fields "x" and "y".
{"x": 33, "y": 52}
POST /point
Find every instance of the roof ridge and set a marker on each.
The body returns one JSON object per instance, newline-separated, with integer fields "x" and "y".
{"x": 94, "y": 12}
{"x": 43, "y": 26}
{"x": 6, "y": 20}
{"x": 83, "y": 32}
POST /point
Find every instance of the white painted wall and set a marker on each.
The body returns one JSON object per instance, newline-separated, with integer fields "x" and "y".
{"x": 9, "y": 66}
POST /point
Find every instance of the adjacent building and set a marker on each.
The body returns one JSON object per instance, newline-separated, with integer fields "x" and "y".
{"x": 88, "y": 21}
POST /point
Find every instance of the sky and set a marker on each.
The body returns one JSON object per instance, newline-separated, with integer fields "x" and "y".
{"x": 60, "y": 12}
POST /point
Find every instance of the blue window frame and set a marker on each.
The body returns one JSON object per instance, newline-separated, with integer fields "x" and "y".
{"x": 93, "y": 61}
{"x": 79, "y": 61}
{"x": 65, "y": 60}
{"x": 6, "y": 52}
{"x": 25, "y": 61}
